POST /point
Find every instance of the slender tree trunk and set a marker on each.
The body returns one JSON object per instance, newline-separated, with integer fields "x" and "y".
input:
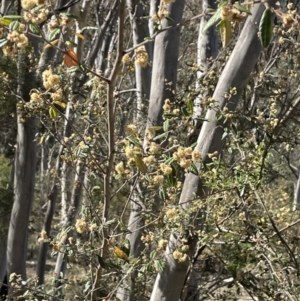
{"x": 169, "y": 283}
{"x": 296, "y": 205}
{"x": 153, "y": 11}
{"x": 207, "y": 47}
{"x": 25, "y": 162}
{"x": 164, "y": 72}
{"x": 4, "y": 223}
{"x": 69, "y": 221}
{"x": 142, "y": 75}
{"x": 24, "y": 176}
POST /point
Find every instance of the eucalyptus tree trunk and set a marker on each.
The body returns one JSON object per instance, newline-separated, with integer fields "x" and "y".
{"x": 207, "y": 47}
{"x": 164, "y": 70}
{"x": 296, "y": 205}
{"x": 24, "y": 176}
{"x": 6, "y": 197}
{"x": 142, "y": 74}
{"x": 165, "y": 57}
{"x": 153, "y": 11}
{"x": 69, "y": 221}
{"x": 25, "y": 161}
{"x": 169, "y": 283}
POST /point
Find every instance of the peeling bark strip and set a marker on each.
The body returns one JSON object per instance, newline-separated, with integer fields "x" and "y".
{"x": 168, "y": 284}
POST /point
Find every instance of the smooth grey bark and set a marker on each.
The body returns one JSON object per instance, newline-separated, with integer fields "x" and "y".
{"x": 69, "y": 221}
{"x": 296, "y": 204}
{"x": 140, "y": 32}
{"x": 51, "y": 203}
{"x": 48, "y": 55}
{"x": 7, "y": 197}
{"x": 153, "y": 11}
{"x": 207, "y": 47}
{"x": 164, "y": 71}
{"x": 3, "y": 261}
{"x": 24, "y": 181}
{"x": 169, "y": 283}
{"x": 24, "y": 174}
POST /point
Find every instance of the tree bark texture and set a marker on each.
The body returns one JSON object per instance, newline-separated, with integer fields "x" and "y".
{"x": 25, "y": 161}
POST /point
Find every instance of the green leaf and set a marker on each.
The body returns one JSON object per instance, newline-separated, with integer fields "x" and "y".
{"x": 172, "y": 177}
{"x": 162, "y": 193}
{"x": 156, "y": 128}
{"x": 3, "y": 42}
{"x": 69, "y": 15}
{"x": 166, "y": 125}
{"x": 153, "y": 254}
{"x": 190, "y": 106}
{"x": 223, "y": 3}
{"x": 225, "y": 32}
{"x": 170, "y": 115}
{"x": 193, "y": 169}
{"x": 140, "y": 164}
{"x": 14, "y": 25}
{"x": 185, "y": 112}
{"x": 134, "y": 141}
{"x": 53, "y": 112}
{"x": 104, "y": 264}
{"x": 169, "y": 160}
{"x": 54, "y": 33}
{"x": 224, "y": 135}
{"x": 170, "y": 19}
{"x": 160, "y": 136}
{"x": 13, "y": 17}
{"x": 266, "y": 28}
{"x": 214, "y": 19}
{"x": 5, "y": 22}
{"x": 34, "y": 28}
{"x": 242, "y": 8}
{"x": 221, "y": 24}
{"x": 37, "y": 8}
{"x": 126, "y": 247}
{"x": 73, "y": 69}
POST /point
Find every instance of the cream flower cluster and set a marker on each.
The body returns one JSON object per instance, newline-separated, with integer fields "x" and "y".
{"x": 185, "y": 156}
{"x": 50, "y": 80}
{"x": 141, "y": 56}
{"x": 81, "y": 226}
{"x": 35, "y": 17}
{"x": 179, "y": 256}
{"x": 126, "y": 59}
{"x": 16, "y": 41}
{"x": 163, "y": 12}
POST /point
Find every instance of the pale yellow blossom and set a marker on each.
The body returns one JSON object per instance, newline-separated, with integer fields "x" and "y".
{"x": 80, "y": 225}
{"x": 120, "y": 168}
{"x": 158, "y": 179}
